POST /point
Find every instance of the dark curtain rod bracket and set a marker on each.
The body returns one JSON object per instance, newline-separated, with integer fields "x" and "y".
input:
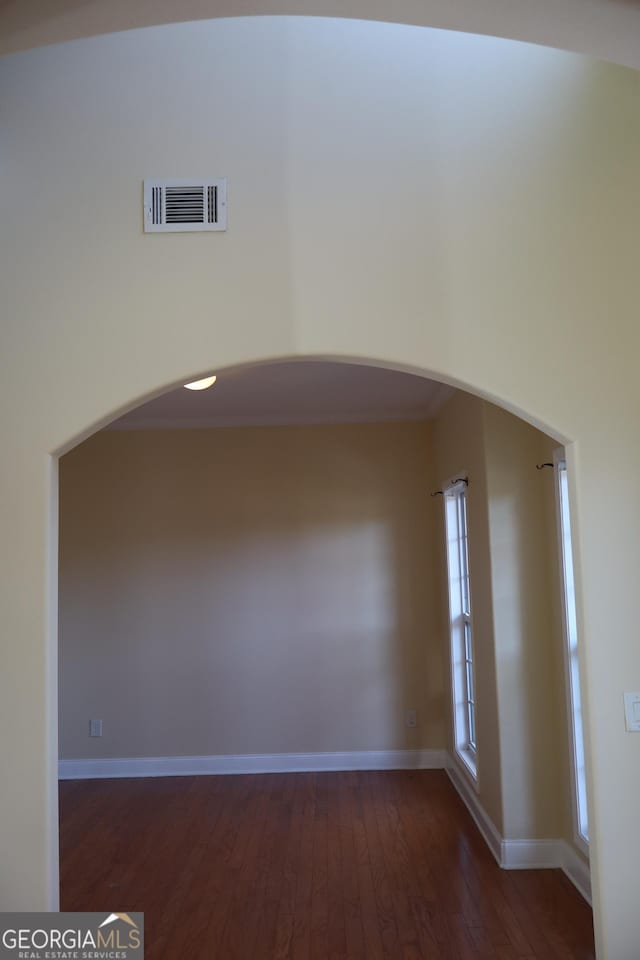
{"x": 440, "y": 493}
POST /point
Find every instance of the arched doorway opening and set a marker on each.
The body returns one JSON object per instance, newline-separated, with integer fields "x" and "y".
{"x": 260, "y": 570}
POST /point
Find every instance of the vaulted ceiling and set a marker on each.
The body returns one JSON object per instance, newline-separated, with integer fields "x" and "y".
{"x": 609, "y": 29}
{"x": 298, "y": 391}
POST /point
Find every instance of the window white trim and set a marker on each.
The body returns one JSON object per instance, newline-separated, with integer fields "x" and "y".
{"x": 463, "y": 698}
{"x": 570, "y": 656}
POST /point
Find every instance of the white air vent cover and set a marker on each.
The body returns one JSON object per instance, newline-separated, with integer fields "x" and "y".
{"x": 177, "y": 206}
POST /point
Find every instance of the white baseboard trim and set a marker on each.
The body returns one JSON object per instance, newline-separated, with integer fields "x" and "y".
{"x": 576, "y": 868}
{"x": 530, "y": 854}
{"x": 548, "y": 854}
{"x": 522, "y": 854}
{"x": 248, "y": 763}
{"x": 483, "y": 822}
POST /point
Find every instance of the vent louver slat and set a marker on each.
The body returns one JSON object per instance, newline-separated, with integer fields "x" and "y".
{"x": 185, "y": 205}
{"x": 156, "y": 195}
{"x": 212, "y": 205}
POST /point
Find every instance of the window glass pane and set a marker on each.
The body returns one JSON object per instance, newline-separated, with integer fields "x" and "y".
{"x": 464, "y": 558}
{"x": 469, "y": 676}
{"x": 460, "y": 615}
{"x": 571, "y": 638}
{"x": 472, "y": 725}
{"x": 467, "y": 641}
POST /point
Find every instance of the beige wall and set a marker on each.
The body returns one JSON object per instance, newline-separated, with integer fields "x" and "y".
{"x": 256, "y": 590}
{"x": 524, "y": 781}
{"x": 528, "y": 640}
{"x": 505, "y": 263}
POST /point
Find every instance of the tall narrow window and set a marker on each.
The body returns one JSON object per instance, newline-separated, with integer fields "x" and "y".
{"x": 570, "y": 629}
{"x": 462, "y": 669}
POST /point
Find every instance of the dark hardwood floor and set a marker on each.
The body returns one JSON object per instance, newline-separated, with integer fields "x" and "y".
{"x": 313, "y": 866}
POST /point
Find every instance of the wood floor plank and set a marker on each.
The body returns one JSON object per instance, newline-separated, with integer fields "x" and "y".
{"x": 318, "y": 866}
{"x": 320, "y": 883}
{"x": 286, "y": 908}
{"x": 399, "y": 880}
{"x": 230, "y": 939}
{"x": 386, "y": 914}
{"x": 337, "y": 937}
{"x": 374, "y": 948}
{"x": 301, "y": 938}
{"x": 352, "y": 905}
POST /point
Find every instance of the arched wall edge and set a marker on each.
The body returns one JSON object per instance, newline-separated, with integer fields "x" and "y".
{"x": 369, "y": 361}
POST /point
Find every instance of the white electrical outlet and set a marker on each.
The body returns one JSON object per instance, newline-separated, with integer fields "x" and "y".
{"x": 411, "y": 718}
{"x": 632, "y": 712}
{"x": 95, "y": 728}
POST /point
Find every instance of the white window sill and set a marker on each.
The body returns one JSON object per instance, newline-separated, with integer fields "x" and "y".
{"x": 468, "y": 764}
{"x": 581, "y": 843}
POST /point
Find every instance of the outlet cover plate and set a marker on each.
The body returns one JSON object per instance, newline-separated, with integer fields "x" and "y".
{"x": 95, "y": 728}
{"x": 632, "y": 712}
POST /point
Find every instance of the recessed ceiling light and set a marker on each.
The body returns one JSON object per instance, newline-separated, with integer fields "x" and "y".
{"x": 201, "y": 384}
